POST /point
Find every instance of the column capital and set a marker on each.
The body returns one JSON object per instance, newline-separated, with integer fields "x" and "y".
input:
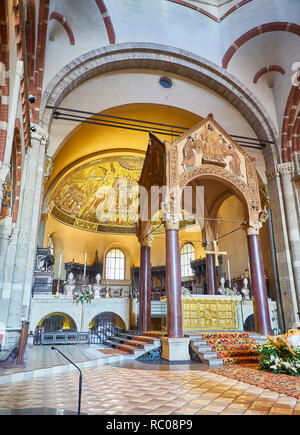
{"x": 146, "y": 240}
{"x": 172, "y": 221}
{"x": 253, "y": 227}
{"x": 285, "y": 168}
{"x": 48, "y": 169}
{"x": 39, "y": 133}
{"x": 280, "y": 169}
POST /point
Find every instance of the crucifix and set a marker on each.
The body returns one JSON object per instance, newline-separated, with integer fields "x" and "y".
{"x": 216, "y": 252}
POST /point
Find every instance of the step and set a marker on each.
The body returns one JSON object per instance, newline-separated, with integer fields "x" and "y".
{"x": 261, "y": 340}
{"x": 131, "y": 349}
{"x": 117, "y": 339}
{"x": 125, "y": 335}
{"x": 208, "y": 355}
{"x": 241, "y": 360}
{"x": 215, "y": 363}
{"x": 202, "y": 348}
{"x": 199, "y": 342}
{"x": 110, "y": 343}
{"x": 154, "y": 341}
{"x": 139, "y": 344}
{"x": 210, "y": 358}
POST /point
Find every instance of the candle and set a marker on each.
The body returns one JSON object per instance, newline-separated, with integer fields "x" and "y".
{"x": 59, "y": 269}
{"x": 84, "y": 270}
{"x": 228, "y": 266}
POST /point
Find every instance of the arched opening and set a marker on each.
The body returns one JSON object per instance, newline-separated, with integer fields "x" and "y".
{"x": 105, "y": 325}
{"x": 187, "y": 254}
{"x": 57, "y": 322}
{"x": 53, "y": 324}
{"x": 115, "y": 264}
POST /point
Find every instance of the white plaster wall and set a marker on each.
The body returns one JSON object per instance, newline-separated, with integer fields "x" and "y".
{"x": 88, "y": 28}
{"x": 167, "y": 23}
{"x": 164, "y": 22}
{"x": 43, "y": 305}
{"x": 260, "y": 52}
{"x": 256, "y": 13}
{"x": 115, "y": 89}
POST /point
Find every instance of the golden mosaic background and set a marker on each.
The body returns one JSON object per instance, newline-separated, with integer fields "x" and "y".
{"x": 83, "y": 198}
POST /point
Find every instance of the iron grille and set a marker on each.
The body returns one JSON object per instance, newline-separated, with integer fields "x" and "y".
{"x": 105, "y": 325}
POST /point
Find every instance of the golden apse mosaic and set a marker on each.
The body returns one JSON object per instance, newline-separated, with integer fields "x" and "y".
{"x": 102, "y": 196}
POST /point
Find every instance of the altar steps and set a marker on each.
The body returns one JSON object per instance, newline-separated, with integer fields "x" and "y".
{"x": 218, "y": 349}
{"x": 137, "y": 345}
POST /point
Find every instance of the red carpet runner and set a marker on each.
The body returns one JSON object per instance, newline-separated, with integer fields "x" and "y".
{"x": 233, "y": 347}
{"x": 282, "y": 384}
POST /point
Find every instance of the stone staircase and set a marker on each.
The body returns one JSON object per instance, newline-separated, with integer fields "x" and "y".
{"x": 131, "y": 342}
{"x": 218, "y": 349}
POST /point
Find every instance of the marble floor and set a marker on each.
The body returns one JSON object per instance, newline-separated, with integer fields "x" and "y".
{"x": 133, "y": 388}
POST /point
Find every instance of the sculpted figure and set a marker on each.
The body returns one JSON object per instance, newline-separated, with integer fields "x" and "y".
{"x": 213, "y": 146}
{"x": 189, "y": 156}
{"x": 70, "y": 285}
{"x": 235, "y": 162}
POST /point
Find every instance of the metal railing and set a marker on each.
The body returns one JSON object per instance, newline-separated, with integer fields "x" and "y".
{"x": 64, "y": 338}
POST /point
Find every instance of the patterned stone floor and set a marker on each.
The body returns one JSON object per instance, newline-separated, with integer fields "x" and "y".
{"x": 117, "y": 390}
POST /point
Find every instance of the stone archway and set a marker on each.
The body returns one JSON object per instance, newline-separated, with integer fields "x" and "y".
{"x": 57, "y": 322}
{"x": 104, "y": 325}
{"x": 156, "y": 57}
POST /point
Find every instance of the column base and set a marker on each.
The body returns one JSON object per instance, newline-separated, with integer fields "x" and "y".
{"x": 175, "y": 349}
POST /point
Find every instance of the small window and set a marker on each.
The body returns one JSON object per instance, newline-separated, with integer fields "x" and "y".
{"x": 115, "y": 264}
{"x": 165, "y": 82}
{"x": 187, "y": 254}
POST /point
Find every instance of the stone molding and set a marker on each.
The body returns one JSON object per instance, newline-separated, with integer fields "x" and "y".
{"x": 7, "y": 230}
{"x": 285, "y": 168}
{"x": 280, "y": 169}
{"x": 40, "y": 134}
{"x": 156, "y": 56}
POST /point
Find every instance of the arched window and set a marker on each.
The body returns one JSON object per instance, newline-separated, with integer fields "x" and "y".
{"x": 187, "y": 254}
{"x": 115, "y": 264}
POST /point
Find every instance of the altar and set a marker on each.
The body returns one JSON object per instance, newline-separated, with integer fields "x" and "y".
{"x": 219, "y": 312}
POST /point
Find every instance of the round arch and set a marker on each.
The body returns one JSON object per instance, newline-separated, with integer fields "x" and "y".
{"x": 104, "y": 325}
{"x": 57, "y": 322}
{"x": 159, "y": 57}
{"x": 234, "y": 185}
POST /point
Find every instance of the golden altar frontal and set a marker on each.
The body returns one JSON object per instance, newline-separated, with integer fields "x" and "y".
{"x": 210, "y": 312}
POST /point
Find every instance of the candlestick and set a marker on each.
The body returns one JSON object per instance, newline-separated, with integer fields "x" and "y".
{"x": 58, "y": 278}
{"x": 84, "y": 270}
{"x": 229, "y": 277}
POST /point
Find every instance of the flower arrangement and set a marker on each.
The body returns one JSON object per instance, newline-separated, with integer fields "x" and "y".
{"x": 280, "y": 356}
{"x": 231, "y": 292}
{"x": 185, "y": 291}
{"x": 83, "y": 294}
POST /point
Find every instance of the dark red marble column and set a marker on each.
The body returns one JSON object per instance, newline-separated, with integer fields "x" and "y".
{"x": 211, "y": 279}
{"x": 145, "y": 289}
{"x": 173, "y": 283}
{"x": 258, "y": 286}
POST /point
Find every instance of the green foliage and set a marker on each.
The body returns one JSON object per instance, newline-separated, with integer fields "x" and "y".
{"x": 279, "y": 360}
{"x": 83, "y": 294}
{"x": 185, "y": 291}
